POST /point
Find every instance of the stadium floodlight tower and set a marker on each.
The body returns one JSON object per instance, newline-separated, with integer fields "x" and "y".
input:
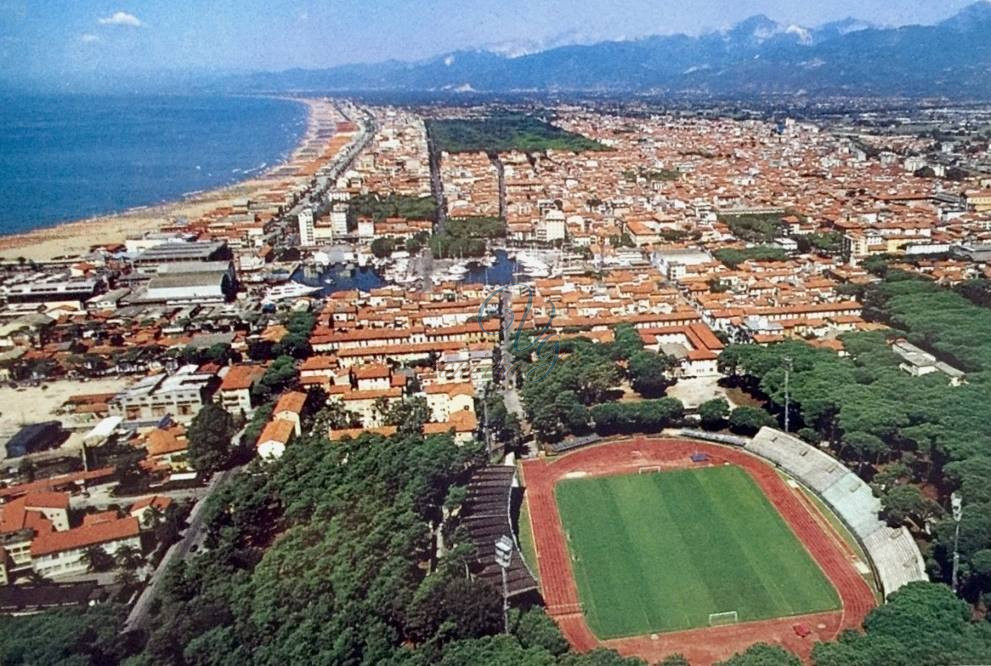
{"x": 788, "y": 369}
{"x": 504, "y": 557}
{"x": 956, "y": 503}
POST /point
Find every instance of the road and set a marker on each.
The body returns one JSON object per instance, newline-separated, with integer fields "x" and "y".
{"x": 501, "y": 174}
{"x": 510, "y": 395}
{"x": 436, "y": 184}
{"x": 425, "y": 268}
{"x": 190, "y": 537}
{"x": 425, "y": 264}
{"x": 102, "y": 500}
{"x": 319, "y": 186}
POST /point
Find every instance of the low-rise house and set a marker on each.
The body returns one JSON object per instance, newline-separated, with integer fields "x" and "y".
{"x": 235, "y": 388}
{"x": 58, "y": 554}
{"x": 365, "y": 403}
{"x": 371, "y": 377}
{"x": 695, "y": 347}
{"x": 144, "y": 509}
{"x": 290, "y": 408}
{"x": 462, "y": 425}
{"x": 168, "y": 448}
{"x": 446, "y": 399}
{"x": 274, "y": 439}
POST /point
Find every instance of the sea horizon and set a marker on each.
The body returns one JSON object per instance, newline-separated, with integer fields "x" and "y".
{"x": 68, "y": 158}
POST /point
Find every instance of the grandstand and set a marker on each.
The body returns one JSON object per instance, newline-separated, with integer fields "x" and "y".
{"x": 893, "y": 552}
{"x": 732, "y": 440}
{"x": 486, "y": 516}
{"x": 571, "y": 443}
{"x": 897, "y": 550}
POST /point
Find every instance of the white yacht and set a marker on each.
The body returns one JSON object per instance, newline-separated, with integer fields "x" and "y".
{"x": 532, "y": 265}
{"x": 287, "y": 291}
{"x": 457, "y": 272}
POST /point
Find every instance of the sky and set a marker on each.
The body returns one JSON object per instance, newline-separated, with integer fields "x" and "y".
{"x": 62, "y": 39}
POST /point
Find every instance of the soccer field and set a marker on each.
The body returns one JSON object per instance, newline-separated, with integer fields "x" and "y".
{"x": 661, "y": 551}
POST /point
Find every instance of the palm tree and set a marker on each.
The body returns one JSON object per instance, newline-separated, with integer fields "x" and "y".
{"x": 97, "y": 559}
{"x": 153, "y": 517}
{"x": 128, "y": 558}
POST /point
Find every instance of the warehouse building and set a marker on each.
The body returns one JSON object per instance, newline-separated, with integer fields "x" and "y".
{"x": 191, "y": 282}
{"x": 177, "y": 253}
{"x": 34, "y": 438}
{"x": 180, "y": 396}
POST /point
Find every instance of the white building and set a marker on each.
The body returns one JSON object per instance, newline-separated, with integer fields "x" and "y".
{"x": 180, "y": 395}
{"x": 192, "y": 282}
{"x": 339, "y": 219}
{"x": 552, "y": 227}
{"x": 366, "y": 228}
{"x": 305, "y": 220}
{"x": 275, "y": 438}
{"x": 64, "y": 553}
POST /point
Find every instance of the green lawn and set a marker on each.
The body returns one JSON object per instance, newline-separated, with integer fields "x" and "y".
{"x": 525, "y": 537}
{"x": 505, "y": 132}
{"x": 661, "y": 551}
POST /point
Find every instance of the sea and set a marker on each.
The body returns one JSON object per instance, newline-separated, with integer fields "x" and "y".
{"x": 67, "y": 157}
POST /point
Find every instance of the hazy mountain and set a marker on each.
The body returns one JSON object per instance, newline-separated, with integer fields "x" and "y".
{"x": 757, "y": 55}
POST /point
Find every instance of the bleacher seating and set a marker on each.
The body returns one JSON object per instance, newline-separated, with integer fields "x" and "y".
{"x": 893, "y": 552}
{"x": 486, "y": 517}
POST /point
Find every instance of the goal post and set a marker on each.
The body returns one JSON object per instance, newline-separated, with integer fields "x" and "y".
{"x": 723, "y": 618}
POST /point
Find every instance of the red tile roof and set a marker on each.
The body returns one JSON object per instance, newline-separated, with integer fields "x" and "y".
{"x": 62, "y": 481}
{"x": 278, "y": 430}
{"x": 83, "y": 537}
{"x": 91, "y": 519}
{"x": 241, "y": 377}
{"x": 46, "y": 500}
{"x": 371, "y": 371}
{"x": 14, "y": 516}
{"x": 158, "y": 501}
{"x": 291, "y": 402}
{"x": 460, "y": 422}
{"x": 355, "y": 432}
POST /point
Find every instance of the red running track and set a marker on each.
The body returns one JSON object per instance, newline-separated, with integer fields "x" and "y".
{"x": 708, "y": 644}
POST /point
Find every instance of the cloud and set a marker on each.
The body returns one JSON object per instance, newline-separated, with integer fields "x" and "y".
{"x": 122, "y": 18}
{"x": 88, "y": 38}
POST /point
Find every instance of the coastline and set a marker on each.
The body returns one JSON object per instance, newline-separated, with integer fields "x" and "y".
{"x": 76, "y": 237}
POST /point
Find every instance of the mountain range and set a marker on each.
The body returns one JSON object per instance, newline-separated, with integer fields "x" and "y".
{"x": 757, "y": 56}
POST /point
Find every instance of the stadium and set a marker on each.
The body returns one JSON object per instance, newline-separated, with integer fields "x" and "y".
{"x": 658, "y": 546}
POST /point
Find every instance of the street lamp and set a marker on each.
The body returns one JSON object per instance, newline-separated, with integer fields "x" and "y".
{"x": 956, "y": 504}
{"x": 504, "y": 557}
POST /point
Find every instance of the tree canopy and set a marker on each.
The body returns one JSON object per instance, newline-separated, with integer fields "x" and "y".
{"x": 875, "y": 415}
{"x": 210, "y": 435}
{"x": 352, "y": 576}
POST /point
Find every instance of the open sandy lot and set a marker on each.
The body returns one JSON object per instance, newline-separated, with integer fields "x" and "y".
{"x": 696, "y": 390}
{"x": 32, "y": 404}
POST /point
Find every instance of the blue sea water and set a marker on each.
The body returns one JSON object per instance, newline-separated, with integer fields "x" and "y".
{"x": 74, "y": 156}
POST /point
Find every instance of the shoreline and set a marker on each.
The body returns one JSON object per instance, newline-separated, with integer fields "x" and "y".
{"x": 75, "y": 237}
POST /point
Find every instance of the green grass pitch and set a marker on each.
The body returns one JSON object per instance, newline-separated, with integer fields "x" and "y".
{"x": 661, "y": 551}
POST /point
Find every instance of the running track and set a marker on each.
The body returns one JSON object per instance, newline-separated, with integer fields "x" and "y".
{"x": 705, "y": 645}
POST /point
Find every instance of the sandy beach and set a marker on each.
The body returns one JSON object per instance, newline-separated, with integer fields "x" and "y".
{"x": 76, "y": 238}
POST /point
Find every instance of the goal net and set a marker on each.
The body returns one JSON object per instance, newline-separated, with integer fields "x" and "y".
{"x": 649, "y": 470}
{"x": 726, "y": 617}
